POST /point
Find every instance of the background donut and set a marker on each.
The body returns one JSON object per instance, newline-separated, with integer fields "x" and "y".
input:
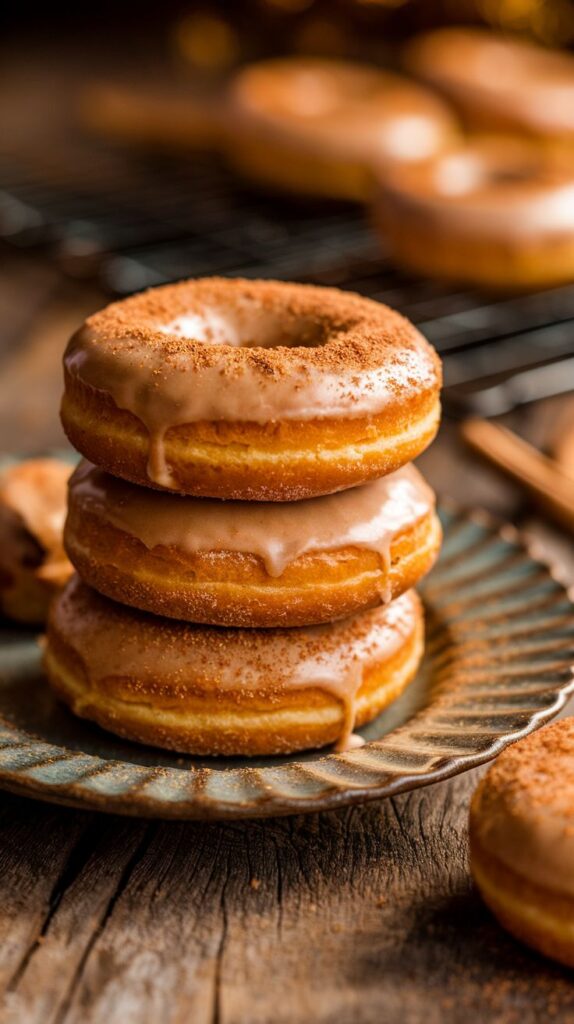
{"x": 318, "y": 125}
{"x": 33, "y": 565}
{"x": 500, "y": 82}
{"x": 496, "y": 212}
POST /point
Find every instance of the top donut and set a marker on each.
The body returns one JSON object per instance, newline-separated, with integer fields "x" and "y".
{"x": 253, "y": 390}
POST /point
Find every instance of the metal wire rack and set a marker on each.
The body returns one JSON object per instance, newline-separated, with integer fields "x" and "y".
{"x": 180, "y": 220}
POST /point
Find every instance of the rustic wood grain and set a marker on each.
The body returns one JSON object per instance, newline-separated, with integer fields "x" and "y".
{"x": 359, "y": 915}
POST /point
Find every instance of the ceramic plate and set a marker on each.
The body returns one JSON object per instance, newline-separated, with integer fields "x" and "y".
{"x": 500, "y": 646}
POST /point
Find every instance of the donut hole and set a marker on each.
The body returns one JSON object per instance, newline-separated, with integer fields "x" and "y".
{"x": 464, "y": 173}
{"x": 511, "y": 175}
{"x": 248, "y": 326}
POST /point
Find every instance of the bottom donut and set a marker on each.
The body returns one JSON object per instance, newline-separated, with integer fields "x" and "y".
{"x": 208, "y": 690}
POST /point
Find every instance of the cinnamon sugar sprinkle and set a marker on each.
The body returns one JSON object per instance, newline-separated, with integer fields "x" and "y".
{"x": 249, "y": 351}
{"x": 540, "y": 770}
{"x": 350, "y": 332}
{"x": 137, "y": 656}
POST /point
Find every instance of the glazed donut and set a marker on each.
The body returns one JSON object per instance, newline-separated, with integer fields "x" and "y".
{"x": 254, "y": 390}
{"x": 499, "y": 82}
{"x": 522, "y": 840}
{"x": 205, "y": 690}
{"x": 496, "y": 212}
{"x": 315, "y": 126}
{"x": 248, "y": 563}
{"x": 33, "y": 566}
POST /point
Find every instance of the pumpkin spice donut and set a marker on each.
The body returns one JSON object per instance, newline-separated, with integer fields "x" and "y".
{"x": 316, "y": 126}
{"x": 496, "y": 212}
{"x": 204, "y": 690}
{"x": 254, "y": 390}
{"x": 500, "y": 83}
{"x": 33, "y": 565}
{"x": 522, "y": 840}
{"x": 248, "y": 563}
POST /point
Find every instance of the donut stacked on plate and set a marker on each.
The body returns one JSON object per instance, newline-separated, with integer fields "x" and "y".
{"x": 247, "y": 531}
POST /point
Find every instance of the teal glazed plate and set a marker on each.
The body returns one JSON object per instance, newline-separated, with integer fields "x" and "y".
{"x": 498, "y": 664}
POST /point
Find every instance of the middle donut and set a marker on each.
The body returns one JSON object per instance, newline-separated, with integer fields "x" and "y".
{"x": 256, "y": 564}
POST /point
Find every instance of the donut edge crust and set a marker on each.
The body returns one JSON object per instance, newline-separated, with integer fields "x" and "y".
{"x": 538, "y": 917}
{"x": 280, "y": 461}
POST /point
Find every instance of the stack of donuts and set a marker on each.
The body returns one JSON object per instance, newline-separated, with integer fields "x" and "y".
{"x": 245, "y": 526}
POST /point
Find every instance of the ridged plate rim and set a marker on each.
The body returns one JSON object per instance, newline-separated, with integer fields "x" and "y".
{"x": 390, "y": 765}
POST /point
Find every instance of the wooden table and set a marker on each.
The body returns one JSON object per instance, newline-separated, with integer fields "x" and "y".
{"x": 360, "y": 915}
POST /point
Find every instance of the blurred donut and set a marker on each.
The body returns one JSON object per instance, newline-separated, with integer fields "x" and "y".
{"x": 150, "y": 116}
{"x": 496, "y": 212}
{"x": 316, "y": 126}
{"x": 33, "y": 565}
{"x": 499, "y": 82}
